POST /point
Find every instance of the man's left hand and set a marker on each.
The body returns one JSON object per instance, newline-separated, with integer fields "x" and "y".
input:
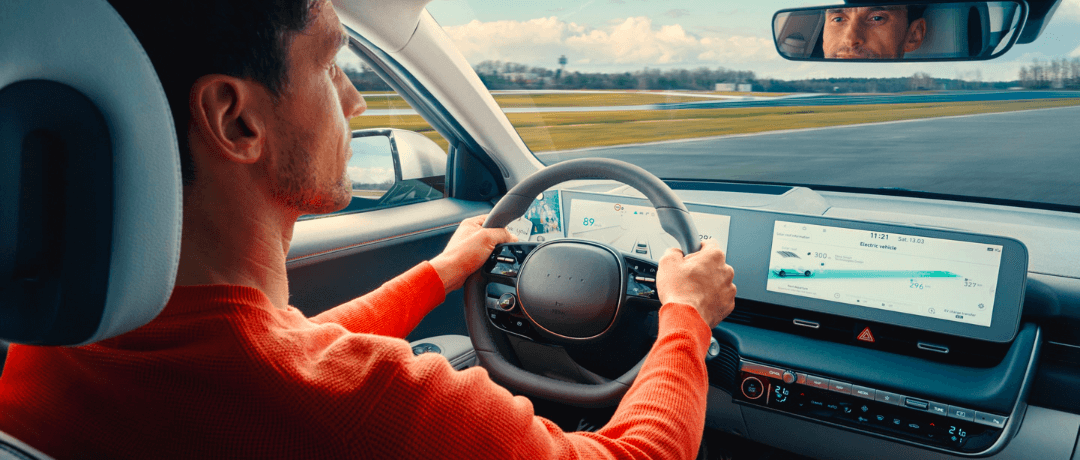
{"x": 467, "y": 251}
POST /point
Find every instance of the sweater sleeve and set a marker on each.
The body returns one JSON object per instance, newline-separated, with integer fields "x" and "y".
{"x": 395, "y": 308}
{"x": 428, "y": 410}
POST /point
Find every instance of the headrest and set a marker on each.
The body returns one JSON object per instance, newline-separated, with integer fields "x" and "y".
{"x": 946, "y": 33}
{"x": 90, "y": 192}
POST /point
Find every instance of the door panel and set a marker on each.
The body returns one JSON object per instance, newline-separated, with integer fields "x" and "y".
{"x": 335, "y": 259}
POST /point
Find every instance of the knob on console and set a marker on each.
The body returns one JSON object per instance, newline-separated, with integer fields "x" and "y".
{"x": 752, "y": 388}
{"x": 789, "y": 377}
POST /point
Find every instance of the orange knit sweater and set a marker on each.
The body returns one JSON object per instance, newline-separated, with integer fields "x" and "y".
{"x": 221, "y": 373}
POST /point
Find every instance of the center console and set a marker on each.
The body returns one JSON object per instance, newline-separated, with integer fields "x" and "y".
{"x": 879, "y": 411}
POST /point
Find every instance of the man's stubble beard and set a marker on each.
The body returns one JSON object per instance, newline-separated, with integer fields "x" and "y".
{"x": 297, "y": 186}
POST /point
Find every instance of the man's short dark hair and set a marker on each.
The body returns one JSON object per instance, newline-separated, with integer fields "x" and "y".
{"x": 915, "y": 12}
{"x": 188, "y": 39}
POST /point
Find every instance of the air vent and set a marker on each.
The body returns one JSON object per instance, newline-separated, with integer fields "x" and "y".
{"x": 724, "y": 368}
{"x": 886, "y": 337}
{"x": 740, "y": 317}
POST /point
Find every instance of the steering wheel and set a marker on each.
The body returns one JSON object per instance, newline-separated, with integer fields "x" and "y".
{"x": 568, "y": 291}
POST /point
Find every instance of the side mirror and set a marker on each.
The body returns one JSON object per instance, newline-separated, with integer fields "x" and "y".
{"x": 391, "y": 167}
{"x": 917, "y": 31}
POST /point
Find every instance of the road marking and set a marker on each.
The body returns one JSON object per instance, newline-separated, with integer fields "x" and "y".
{"x": 796, "y": 131}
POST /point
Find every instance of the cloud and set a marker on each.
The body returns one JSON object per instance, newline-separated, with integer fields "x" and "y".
{"x": 1075, "y": 52}
{"x": 371, "y": 175}
{"x": 633, "y": 41}
{"x": 1069, "y": 10}
{"x": 677, "y": 13}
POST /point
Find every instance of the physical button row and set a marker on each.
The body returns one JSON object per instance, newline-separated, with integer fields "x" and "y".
{"x": 882, "y": 396}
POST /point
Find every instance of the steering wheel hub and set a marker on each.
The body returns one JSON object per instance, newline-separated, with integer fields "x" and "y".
{"x": 572, "y": 290}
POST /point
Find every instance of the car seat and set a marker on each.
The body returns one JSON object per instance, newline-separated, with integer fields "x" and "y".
{"x": 90, "y": 192}
{"x": 956, "y": 31}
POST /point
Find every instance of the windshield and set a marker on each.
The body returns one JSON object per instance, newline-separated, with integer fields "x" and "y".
{"x": 697, "y": 90}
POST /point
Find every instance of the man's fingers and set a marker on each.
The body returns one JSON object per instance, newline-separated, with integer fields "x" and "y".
{"x": 504, "y": 236}
{"x": 671, "y": 255}
{"x": 475, "y": 221}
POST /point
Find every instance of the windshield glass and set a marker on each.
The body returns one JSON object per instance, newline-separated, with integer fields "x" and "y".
{"x": 697, "y": 90}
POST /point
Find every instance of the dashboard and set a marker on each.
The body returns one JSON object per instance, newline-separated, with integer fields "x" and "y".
{"x": 908, "y": 333}
{"x": 956, "y": 283}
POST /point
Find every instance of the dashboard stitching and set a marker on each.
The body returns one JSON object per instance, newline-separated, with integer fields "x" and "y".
{"x": 365, "y": 243}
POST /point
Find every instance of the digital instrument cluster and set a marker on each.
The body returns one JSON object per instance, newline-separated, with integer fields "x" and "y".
{"x": 636, "y": 229}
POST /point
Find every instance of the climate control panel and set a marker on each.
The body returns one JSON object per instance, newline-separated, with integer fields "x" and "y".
{"x": 885, "y": 413}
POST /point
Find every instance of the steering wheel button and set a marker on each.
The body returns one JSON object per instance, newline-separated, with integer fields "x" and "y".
{"x": 507, "y": 302}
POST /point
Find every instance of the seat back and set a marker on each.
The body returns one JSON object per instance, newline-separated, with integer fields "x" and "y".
{"x": 90, "y": 194}
{"x": 13, "y": 449}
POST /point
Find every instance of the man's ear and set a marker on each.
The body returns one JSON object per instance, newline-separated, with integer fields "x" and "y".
{"x": 226, "y": 119}
{"x": 916, "y": 34}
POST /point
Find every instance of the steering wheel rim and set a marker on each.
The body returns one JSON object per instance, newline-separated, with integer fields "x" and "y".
{"x": 674, "y": 219}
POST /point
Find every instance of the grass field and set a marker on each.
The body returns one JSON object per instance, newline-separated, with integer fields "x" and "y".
{"x": 571, "y": 130}
{"x": 392, "y": 101}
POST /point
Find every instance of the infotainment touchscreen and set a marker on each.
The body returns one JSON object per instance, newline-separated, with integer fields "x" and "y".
{"x": 636, "y": 229}
{"x": 915, "y": 275}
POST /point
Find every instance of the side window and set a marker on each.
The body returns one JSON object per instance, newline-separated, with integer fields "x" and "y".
{"x": 397, "y": 157}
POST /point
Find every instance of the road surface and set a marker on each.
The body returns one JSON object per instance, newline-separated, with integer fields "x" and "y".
{"x": 1031, "y": 156}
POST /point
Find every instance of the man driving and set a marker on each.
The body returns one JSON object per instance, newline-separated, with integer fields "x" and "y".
{"x": 878, "y": 32}
{"x": 230, "y": 370}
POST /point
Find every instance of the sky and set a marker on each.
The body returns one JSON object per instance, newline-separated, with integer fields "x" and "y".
{"x": 630, "y": 35}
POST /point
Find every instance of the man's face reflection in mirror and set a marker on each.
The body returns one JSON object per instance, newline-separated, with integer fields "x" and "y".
{"x": 881, "y": 32}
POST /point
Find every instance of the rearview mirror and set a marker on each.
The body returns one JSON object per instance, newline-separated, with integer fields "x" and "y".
{"x": 958, "y": 31}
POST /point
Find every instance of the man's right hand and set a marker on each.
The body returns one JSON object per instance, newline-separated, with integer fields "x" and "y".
{"x": 702, "y": 280}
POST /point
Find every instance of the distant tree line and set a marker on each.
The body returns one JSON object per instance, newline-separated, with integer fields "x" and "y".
{"x": 498, "y": 75}
{"x": 364, "y": 79}
{"x": 385, "y": 185}
{"x": 509, "y": 75}
{"x": 1055, "y": 74}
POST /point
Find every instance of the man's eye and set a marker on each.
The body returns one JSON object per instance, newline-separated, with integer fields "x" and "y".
{"x": 836, "y": 19}
{"x": 877, "y": 18}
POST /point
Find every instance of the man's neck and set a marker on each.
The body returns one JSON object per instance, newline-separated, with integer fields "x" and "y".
{"x": 237, "y": 245}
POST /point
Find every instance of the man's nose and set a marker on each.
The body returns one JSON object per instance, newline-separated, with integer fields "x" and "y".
{"x": 853, "y": 35}
{"x": 352, "y": 102}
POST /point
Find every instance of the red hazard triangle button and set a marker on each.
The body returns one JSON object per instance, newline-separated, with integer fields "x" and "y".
{"x": 866, "y": 335}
